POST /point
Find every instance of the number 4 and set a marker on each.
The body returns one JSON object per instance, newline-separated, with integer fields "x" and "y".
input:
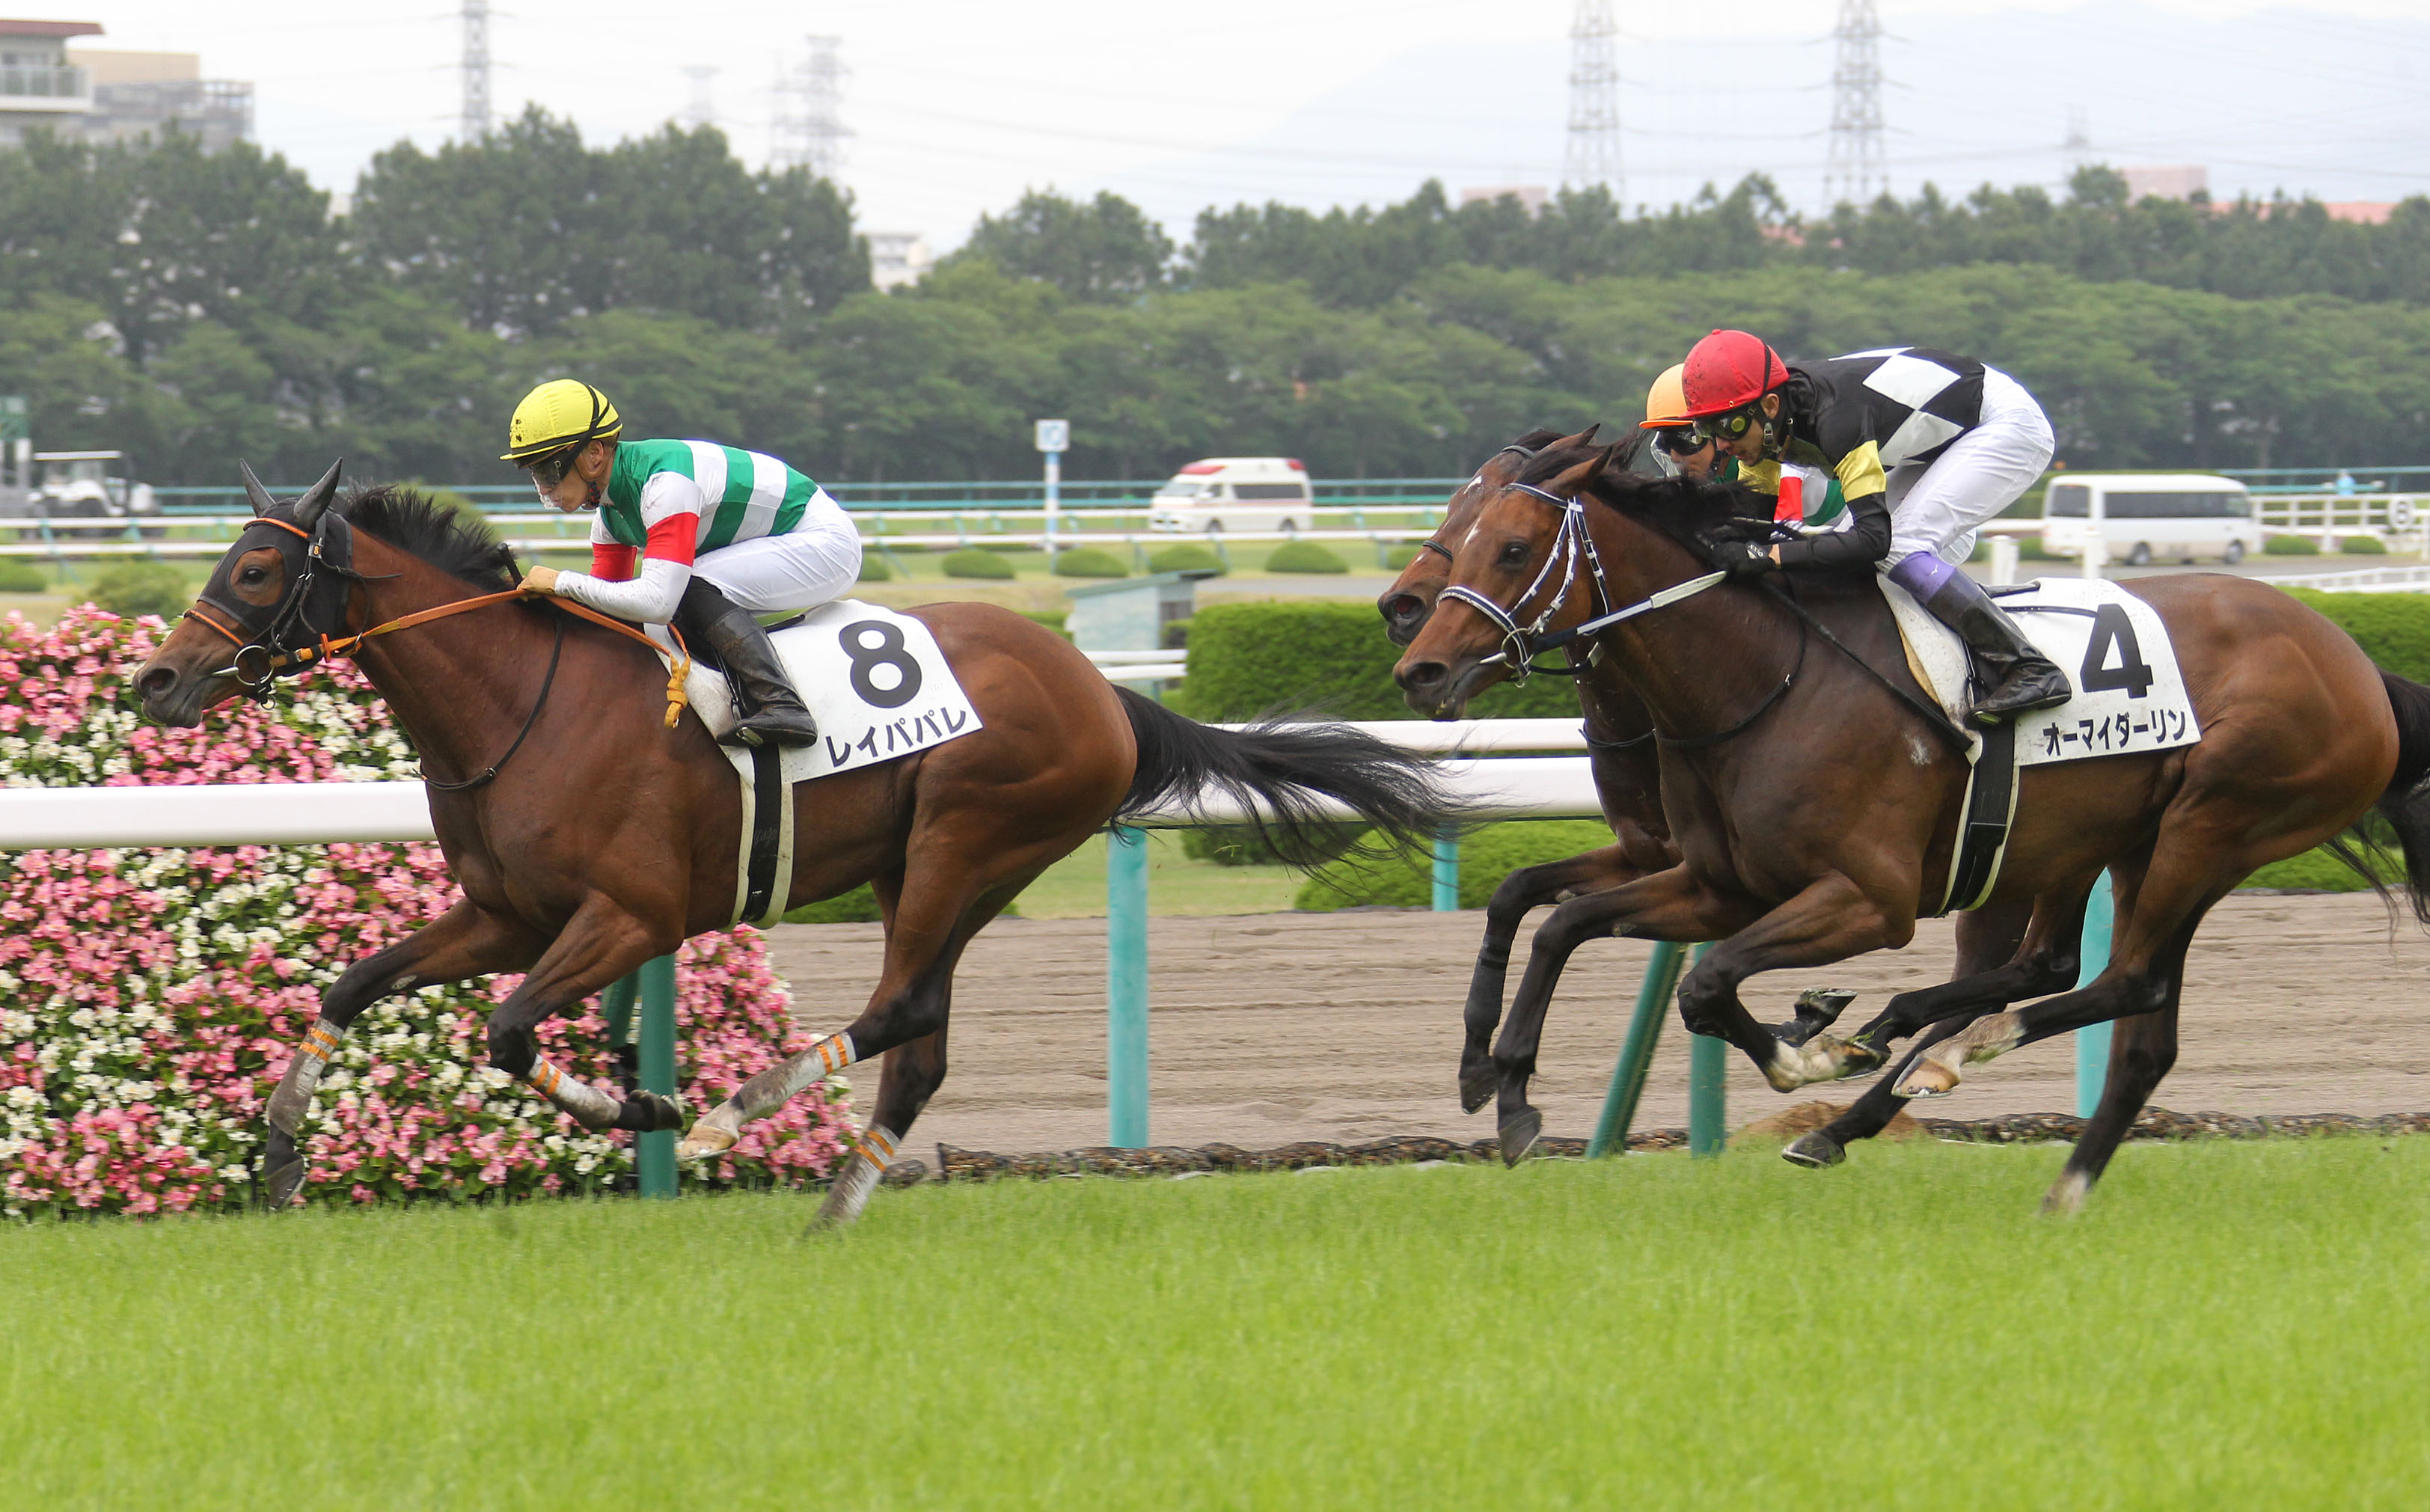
{"x": 2112, "y": 630}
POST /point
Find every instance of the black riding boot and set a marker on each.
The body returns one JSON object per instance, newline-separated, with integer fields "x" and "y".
{"x": 2022, "y": 679}
{"x": 772, "y": 713}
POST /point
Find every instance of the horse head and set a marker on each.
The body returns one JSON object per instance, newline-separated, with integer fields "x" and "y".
{"x": 264, "y": 589}
{"x": 1406, "y": 604}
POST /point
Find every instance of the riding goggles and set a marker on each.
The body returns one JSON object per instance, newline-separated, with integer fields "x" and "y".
{"x": 1681, "y": 441}
{"x": 548, "y": 472}
{"x": 1730, "y": 426}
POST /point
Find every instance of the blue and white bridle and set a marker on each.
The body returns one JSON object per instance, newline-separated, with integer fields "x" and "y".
{"x": 1573, "y": 547}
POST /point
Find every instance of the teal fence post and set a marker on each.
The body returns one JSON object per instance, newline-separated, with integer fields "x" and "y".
{"x": 1126, "y": 988}
{"x": 1636, "y": 1051}
{"x": 654, "y": 1155}
{"x": 2093, "y": 1040}
{"x": 1708, "y": 1089}
{"x": 1447, "y": 870}
{"x": 616, "y": 1007}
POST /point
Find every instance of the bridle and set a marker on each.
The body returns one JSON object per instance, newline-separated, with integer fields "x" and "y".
{"x": 1430, "y": 543}
{"x": 301, "y": 629}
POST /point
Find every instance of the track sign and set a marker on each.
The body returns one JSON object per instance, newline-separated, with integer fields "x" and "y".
{"x": 2399, "y": 514}
{"x": 1054, "y": 435}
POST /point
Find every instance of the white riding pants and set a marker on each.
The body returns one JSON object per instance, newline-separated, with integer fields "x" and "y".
{"x": 816, "y": 563}
{"x": 1935, "y": 507}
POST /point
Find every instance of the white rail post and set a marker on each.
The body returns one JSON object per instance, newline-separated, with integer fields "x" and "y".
{"x": 1054, "y": 438}
{"x": 2004, "y": 560}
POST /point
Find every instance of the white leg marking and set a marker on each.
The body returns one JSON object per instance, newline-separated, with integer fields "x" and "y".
{"x": 590, "y": 1107}
{"x": 860, "y": 1176}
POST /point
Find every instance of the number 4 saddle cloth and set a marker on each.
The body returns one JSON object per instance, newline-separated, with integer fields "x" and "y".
{"x": 879, "y": 687}
{"x": 2129, "y": 697}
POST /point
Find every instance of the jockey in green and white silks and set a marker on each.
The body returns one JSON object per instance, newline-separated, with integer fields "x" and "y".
{"x": 691, "y": 532}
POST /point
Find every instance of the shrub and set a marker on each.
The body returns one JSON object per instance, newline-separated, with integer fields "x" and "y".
{"x": 1245, "y": 846}
{"x": 859, "y": 906}
{"x": 150, "y": 999}
{"x": 1246, "y": 660}
{"x": 1186, "y": 558}
{"x": 1053, "y": 619}
{"x": 2393, "y": 629}
{"x": 1303, "y": 557}
{"x": 974, "y": 563}
{"x": 2030, "y": 549}
{"x": 2315, "y": 871}
{"x": 18, "y": 576}
{"x": 142, "y": 588}
{"x": 1486, "y": 856}
{"x": 2363, "y": 546}
{"x": 2291, "y": 546}
{"x": 1088, "y": 562}
{"x": 874, "y": 569}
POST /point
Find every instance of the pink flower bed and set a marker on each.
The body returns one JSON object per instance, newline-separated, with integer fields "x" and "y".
{"x": 150, "y": 999}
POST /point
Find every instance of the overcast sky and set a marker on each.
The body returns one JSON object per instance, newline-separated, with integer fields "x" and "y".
{"x": 958, "y": 104}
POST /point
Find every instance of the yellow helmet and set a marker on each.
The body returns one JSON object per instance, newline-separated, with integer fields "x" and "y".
{"x": 1666, "y": 402}
{"x": 559, "y": 414}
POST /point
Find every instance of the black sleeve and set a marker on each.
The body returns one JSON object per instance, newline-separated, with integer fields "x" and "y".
{"x": 1866, "y": 540}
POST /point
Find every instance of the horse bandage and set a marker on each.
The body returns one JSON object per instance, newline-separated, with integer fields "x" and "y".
{"x": 294, "y": 1097}
{"x": 590, "y": 1107}
{"x": 878, "y": 1146}
{"x": 835, "y": 1052}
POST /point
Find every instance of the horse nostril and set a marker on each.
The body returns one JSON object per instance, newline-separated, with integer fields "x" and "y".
{"x": 1419, "y": 674}
{"x": 156, "y": 681}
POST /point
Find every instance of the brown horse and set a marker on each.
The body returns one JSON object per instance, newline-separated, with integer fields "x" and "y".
{"x": 1627, "y": 771}
{"x": 601, "y": 835}
{"x": 1813, "y": 797}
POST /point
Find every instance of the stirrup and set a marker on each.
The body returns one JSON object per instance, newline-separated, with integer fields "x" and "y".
{"x": 774, "y": 726}
{"x": 2016, "y": 694}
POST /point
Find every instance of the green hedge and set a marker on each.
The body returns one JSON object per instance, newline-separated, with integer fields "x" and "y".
{"x": 1486, "y": 856}
{"x": 2363, "y": 546}
{"x": 2291, "y": 546}
{"x": 142, "y": 588}
{"x": 1328, "y": 658}
{"x": 975, "y": 563}
{"x": 2393, "y": 628}
{"x": 18, "y": 576}
{"x": 1186, "y": 558}
{"x": 1088, "y": 562}
{"x": 1303, "y": 557}
{"x": 874, "y": 569}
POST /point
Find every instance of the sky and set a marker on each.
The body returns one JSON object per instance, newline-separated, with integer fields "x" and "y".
{"x": 957, "y": 105}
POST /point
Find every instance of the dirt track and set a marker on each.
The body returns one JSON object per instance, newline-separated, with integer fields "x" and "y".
{"x": 1272, "y": 1028}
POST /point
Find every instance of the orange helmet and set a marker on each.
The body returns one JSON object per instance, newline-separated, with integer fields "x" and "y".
{"x": 1666, "y": 402}
{"x": 1729, "y": 369}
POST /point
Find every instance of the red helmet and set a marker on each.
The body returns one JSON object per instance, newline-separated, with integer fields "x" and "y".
{"x": 1730, "y": 370}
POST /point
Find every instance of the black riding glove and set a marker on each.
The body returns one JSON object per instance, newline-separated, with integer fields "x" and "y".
{"x": 1743, "y": 558}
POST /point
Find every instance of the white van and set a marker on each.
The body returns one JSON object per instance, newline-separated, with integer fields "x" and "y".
{"x": 1234, "y": 494}
{"x": 2143, "y": 517}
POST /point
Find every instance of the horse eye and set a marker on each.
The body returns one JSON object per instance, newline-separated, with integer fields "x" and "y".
{"x": 1514, "y": 554}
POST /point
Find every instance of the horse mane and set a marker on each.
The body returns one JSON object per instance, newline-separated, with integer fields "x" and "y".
{"x": 1683, "y": 509}
{"x": 455, "y": 542}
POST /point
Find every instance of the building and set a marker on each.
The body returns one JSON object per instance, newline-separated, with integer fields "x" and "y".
{"x": 898, "y": 257}
{"x": 105, "y": 96}
{"x": 2171, "y": 181}
{"x": 1532, "y": 197}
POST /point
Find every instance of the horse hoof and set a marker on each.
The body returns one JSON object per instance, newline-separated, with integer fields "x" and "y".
{"x": 707, "y": 1139}
{"x": 1815, "y": 1151}
{"x": 1519, "y": 1136}
{"x": 284, "y": 1183}
{"x": 1477, "y": 1085}
{"x": 2066, "y": 1197}
{"x": 1926, "y": 1078}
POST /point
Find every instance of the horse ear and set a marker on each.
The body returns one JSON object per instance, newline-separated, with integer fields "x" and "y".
{"x": 317, "y": 497}
{"x": 1577, "y": 478}
{"x": 1584, "y": 438}
{"x": 254, "y": 491}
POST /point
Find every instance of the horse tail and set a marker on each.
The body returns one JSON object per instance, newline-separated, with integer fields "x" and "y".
{"x": 2404, "y": 807}
{"x": 1281, "y": 774}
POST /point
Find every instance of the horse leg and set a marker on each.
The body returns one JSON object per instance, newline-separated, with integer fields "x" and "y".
{"x": 1669, "y": 904}
{"x": 910, "y": 1074}
{"x": 600, "y": 944}
{"x": 1520, "y": 892}
{"x": 463, "y": 942}
{"x": 2143, "y": 1050}
{"x": 1986, "y": 937}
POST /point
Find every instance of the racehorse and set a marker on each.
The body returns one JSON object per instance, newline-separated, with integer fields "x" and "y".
{"x": 1626, "y": 767}
{"x": 589, "y": 835}
{"x": 1812, "y": 788}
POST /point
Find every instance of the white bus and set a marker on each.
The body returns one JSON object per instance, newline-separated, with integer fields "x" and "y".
{"x": 1219, "y": 493}
{"x": 2142, "y": 517}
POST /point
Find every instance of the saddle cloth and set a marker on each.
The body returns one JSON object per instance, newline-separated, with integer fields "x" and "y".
{"x": 2129, "y": 693}
{"x": 879, "y": 687}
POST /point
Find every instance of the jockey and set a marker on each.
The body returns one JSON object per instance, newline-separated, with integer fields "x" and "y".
{"x": 722, "y": 535}
{"x": 1679, "y": 449}
{"x": 1921, "y": 445}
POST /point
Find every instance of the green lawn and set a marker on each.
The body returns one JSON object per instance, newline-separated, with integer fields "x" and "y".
{"x": 2228, "y": 1326}
{"x": 1075, "y": 887}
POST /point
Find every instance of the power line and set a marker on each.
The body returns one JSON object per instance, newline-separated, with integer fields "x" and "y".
{"x": 1857, "y": 170}
{"x": 475, "y": 122}
{"x": 1593, "y": 154}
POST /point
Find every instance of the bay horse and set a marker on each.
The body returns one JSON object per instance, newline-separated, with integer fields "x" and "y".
{"x": 1627, "y": 771}
{"x": 588, "y": 833}
{"x": 1812, "y": 791}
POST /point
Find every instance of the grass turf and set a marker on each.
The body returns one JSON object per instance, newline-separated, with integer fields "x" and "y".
{"x": 2228, "y": 1324}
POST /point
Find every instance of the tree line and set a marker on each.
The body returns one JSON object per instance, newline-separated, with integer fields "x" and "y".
{"x": 196, "y": 308}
